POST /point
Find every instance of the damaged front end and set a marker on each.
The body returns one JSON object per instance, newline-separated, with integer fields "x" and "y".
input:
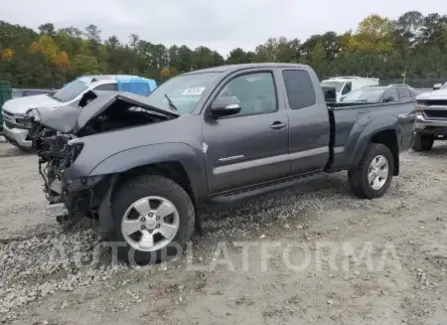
{"x": 58, "y": 138}
{"x": 56, "y": 155}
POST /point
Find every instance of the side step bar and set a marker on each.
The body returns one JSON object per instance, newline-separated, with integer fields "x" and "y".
{"x": 270, "y": 187}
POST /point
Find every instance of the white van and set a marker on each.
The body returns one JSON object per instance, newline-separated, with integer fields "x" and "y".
{"x": 345, "y": 84}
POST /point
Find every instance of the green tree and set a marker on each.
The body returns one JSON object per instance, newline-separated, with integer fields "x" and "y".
{"x": 85, "y": 64}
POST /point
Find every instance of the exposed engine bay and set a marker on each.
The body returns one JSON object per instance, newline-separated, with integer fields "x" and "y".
{"x": 56, "y": 133}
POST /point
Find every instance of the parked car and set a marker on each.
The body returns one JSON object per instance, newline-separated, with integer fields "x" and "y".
{"x": 14, "y": 127}
{"x": 431, "y": 119}
{"x": 378, "y": 94}
{"x": 143, "y": 165}
{"x": 344, "y": 85}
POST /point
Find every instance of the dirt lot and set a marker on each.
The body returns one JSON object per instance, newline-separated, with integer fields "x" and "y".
{"x": 395, "y": 272}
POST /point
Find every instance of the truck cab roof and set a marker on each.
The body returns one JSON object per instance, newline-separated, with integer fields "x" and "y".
{"x": 237, "y": 67}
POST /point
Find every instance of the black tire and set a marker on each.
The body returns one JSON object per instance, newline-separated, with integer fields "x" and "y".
{"x": 152, "y": 185}
{"x": 358, "y": 176}
{"x": 423, "y": 142}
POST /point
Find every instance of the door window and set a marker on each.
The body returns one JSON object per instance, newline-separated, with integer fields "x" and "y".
{"x": 256, "y": 93}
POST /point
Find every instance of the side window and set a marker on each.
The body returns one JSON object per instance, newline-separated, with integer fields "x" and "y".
{"x": 255, "y": 91}
{"x": 403, "y": 93}
{"x": 391, "y": 93}
{"x": 299, "y": 88}
{"x": 107, "y": 87}
{"x": 347, "y": 89}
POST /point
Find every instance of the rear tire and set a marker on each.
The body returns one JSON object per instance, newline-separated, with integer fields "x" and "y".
{"x": 423, "y": 142}
{"x": 138, "y": 190}
{"x": 372, "y": 177}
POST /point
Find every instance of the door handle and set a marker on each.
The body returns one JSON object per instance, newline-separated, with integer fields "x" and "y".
{"x": 277, "y": 125}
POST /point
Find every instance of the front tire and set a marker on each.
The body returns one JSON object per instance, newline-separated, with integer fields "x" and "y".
{"x": 423, "y": 142}
{"x": 372, "y": 177}
{"x": 153, "y": 219}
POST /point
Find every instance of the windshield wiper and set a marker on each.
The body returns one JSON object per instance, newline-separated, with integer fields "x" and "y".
{"x": 171, "y": 104}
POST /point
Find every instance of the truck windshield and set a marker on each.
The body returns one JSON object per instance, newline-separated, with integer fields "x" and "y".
{"x": 334, "y": 84}
{"x": 183, "y": 91}
{"x": 70, "y": 91}
{"x": 366, "y": 94}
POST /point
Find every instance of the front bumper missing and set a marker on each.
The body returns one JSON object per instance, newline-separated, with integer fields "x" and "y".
{"x": 73, "y": 199}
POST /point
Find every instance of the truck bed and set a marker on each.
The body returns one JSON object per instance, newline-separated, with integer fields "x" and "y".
{"x": 350, "y": 123}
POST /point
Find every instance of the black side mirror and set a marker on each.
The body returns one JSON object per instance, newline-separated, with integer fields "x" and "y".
{"x": 388, "y": 99}
{"x": 224, "y": 106}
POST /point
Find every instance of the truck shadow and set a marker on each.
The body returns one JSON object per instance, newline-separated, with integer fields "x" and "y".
{"x": 299, "y": 195}
{"x": 8, "y": 150}
{"x": 439, "y": 150}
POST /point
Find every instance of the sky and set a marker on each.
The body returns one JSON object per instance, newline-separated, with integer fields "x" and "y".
{"x": 220, "y": 25}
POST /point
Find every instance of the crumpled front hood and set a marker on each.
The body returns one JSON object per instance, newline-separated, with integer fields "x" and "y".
{"x": 62, "y": 120}
{"x": 73, "y": 118}
{"x": 23, "y": 104}
{"x": 434, "y": 95}
{"x": 96, "y": 102}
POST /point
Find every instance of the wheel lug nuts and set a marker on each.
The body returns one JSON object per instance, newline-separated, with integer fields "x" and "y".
{"x": 143, "y": 219}
{"x": 158, "y": 218}
{"x": 150, "y": 215}
{"x": 143, "y": 227}
{"x": 158, "y": 226}
{"x": 150, "y": 231}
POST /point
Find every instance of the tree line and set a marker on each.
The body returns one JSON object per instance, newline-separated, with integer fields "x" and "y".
{"x": 414, "y": 46}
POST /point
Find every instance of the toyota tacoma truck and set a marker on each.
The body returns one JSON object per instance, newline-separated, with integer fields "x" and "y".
{"x": 431, "y": 119}
{"x": 144, "y": 166}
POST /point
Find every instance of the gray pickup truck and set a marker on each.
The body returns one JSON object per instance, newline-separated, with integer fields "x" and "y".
{"x": 144, "y": 165}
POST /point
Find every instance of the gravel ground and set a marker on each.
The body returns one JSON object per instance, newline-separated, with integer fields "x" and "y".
{"x": 317, "y": 255}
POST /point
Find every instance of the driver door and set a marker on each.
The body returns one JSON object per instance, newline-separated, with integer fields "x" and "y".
{"x": 250, "y": 147}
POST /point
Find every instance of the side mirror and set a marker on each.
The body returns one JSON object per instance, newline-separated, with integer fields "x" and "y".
{"x": 437, "y": 86}
{"x": 224, "y": 106}
{"x": 388, "y": 99}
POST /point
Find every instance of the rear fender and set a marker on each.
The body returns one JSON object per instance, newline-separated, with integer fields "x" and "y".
{"x": 364, "y": 133}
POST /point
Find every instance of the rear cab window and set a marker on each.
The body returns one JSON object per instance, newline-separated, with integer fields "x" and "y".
{"x": 111, "y": 87}
{"x": 299, "y": 88}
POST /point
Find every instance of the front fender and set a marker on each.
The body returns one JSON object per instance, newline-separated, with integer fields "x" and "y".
{"x": 156, "y": 153}
{"x": 363, "y": 133}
